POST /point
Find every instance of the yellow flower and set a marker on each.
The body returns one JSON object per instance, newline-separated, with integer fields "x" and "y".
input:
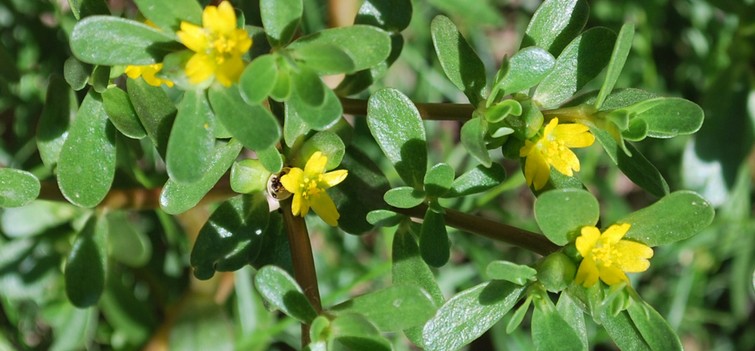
{"x": 308, "y": 187}
{"x": 218, "y": 46}
{"x": 553, "y": 149}
{"x": 148, "y": 73}
{"x": 608, "y": 257}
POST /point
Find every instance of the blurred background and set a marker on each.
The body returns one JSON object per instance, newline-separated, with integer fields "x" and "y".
{"x": 700, "y": 50}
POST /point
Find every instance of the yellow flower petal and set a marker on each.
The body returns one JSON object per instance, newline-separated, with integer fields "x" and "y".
{"x": 609, "y": 256}
{"x": 316, "y": 163}
{"x": 332, "y": 179}
{"x": 325, "y": 208}
{"x": 221, "y": 19}
{"x": 536, "y": 170}
{"x": 292, "y": 179}
{"x": 296, "y": 206}
{"x": 199, "y": 68}
{"x": 194, "y": 37}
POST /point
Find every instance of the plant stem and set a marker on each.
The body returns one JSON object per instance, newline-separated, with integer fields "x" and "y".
{"x": 304, "y": 262}
{"x": 428, "y": 111}
{"x": 490, "y": 229}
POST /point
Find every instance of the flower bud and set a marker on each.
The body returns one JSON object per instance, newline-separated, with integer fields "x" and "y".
{"x": 556, "y": 272}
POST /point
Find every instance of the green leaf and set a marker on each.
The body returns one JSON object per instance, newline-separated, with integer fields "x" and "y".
{"x": 556, "y": 271}
{"x": 85, "y": 8}
{"x": 404, "y": 197}
{"x": 384, "y": 218}
{"x": 501, "y": 110}
{"x": 355, "y": 332}
{"x": 17, "y": 187}
{"x": 654, "y": 329}
{"x": 318, "y": 117}
{"x": 555, "y": 24}
{"x": 619, "y": 56}
{"x": 668, "y": 117}
{"x": 272, "y": 159}
{"x": 253, "y": 125}
{"x": 550, "y": 331}
{"x": 191, "y": 142}
{"x": 248, "y": 176}
{"x": 636, "y": 130}
{"x": 282, "y": 88}
{"x": 460, "y": 63}
{"x": 36, "y": 218}
{"x": 280, "y": 19}
{"x": 525, "y": 69}
{"x": 622, "y": 330}
{"x": 87, "y": 161}
{"x": 361, "y": 192}
{"x": 108, "y": 40}
{"x": 100, "y": 78}
{"x": 469, "y": 314}
{"x": 169, "y": 14}
{"x": 328, "y": 143}
{"x": 308, "y": 88}
{"x": 391, "y": 309}
{"x": 177, "y": 198}
{"x": 127, "y": 244}
{"x": 636, "y": 167}
{"x": 57, "y": 115}
{"x": 367, "y": 46}
{"x": 473, "y": 138}
{"x": 433, "y": 239}
{"x": 475, "y": 13}
{"x": 155, "y": 109}
{"x": 294, "y": 127}
{"x": 390, "y": 15}
{"x": 282, "y": 292}
{"x": 397, "y": 127}
{"x": 324, "y": 59}
{"x": 121, "y": 113}
{"x": 87, "y": 263}
{"x": 578, "y": 64}
{"x": 76, "y": 73}
{"x": 573, "y": 315}
{"x": 438, "y": 179}
{"x": 518, "y": 274}
{"x": 561, "y": 213}
{"x": 258, "y": 79}
{"x": 409, "y": 268}
{"x": 477, "y": 180}
{"x": 676, "y": 216}
{"x": 232, "y": 236}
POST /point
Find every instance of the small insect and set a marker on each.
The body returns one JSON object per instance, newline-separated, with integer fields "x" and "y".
{"x": 275, "y": 188}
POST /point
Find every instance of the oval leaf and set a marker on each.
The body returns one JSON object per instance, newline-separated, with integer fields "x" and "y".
{"x": 551, "y": 332}
{"x": 555, "y": 24}
{"x": 676, "y": 216}
{"x": 469, "y": 314}
{"x": 191, "y": 140}
{"x": 366, "y": 45}
{"x": 668, "y": 117}
{"x": 518, "y": 274}
{"x": 17, "y": 187}
{"x": 460, "y": 63}
{"x": 177, "y": 198}
{"x": 391, "y": 309}
{"x": 561, "y": 213}
{"x": 155, "y": 109}
{"x": 433, "y": 239}
{"x": 108, "y": 40}
{"x": 619, "y": 56}
{"x": 253, "y": 125}
{"x": 87, "y": 160}
{"x": 473, "y": 138}
{"x": 397, "y": 127}
{"x": 404, "y": 197}
{"x": 59, "y": 110}
{"x": 232, "y": 237}
{"x": 280, "y": 19}
{"x": 169, "y": 14}
{"x": 439, "y": 179}
{"x": 525, "y": 69}
{"x": 578, "y": 64}
{"x": 281, "y": 291}
{"x": 258, "y": 79}
{"x": 122, "y": 113}
{"x": 86, "y": 264}
{"x": 477, "y": 180}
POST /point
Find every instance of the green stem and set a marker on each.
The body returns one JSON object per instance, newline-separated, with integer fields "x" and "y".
{"x": 490, "y": 229}
{"x": 303, "y": 261}
{"x": 428, "y": 111}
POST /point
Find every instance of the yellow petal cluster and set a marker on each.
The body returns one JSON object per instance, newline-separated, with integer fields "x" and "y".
{"x": 309, "y": 185}
{"x": 148, "y": 73}
{"x": 608, "y": 257}
{"x": 553, "y": 148}
{"x": 218, "y": 46}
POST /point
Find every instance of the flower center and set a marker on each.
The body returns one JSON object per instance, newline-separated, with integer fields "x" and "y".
{"x": 310, "y": 186}
{"x": 221, "y": 47}
{"x": 606, "y": 254}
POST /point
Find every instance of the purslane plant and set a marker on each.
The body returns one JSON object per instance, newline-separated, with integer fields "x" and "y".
{"x": 200, "y": 98}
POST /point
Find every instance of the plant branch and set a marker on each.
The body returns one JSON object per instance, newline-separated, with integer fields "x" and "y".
{"x": 489, "y": 229}
{"x": 428, "y": 111}
{"x": 303, "y": 260}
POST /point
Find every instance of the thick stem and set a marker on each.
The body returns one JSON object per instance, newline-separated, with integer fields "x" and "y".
{"x": 490, "y": 229}
{"x": 303, "y": 260}
{"x": 428, "y": 111}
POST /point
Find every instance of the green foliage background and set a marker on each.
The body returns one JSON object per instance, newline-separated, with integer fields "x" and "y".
{"x": 699, "y": 50}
